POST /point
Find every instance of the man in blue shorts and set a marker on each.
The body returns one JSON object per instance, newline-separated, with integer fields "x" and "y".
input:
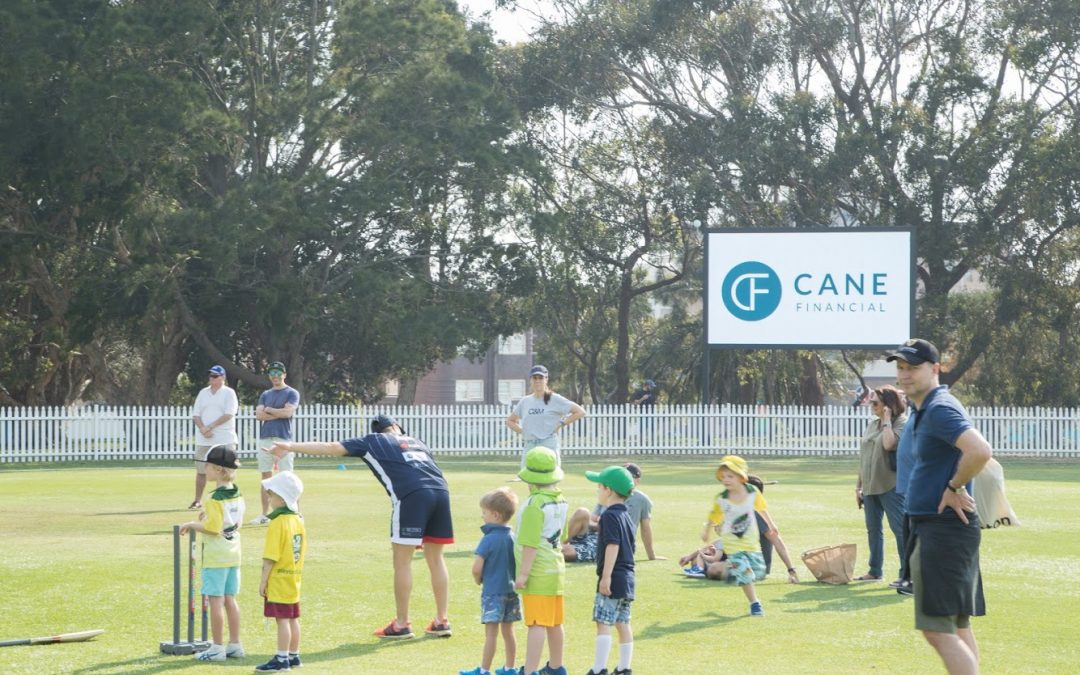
{"x": 945, "y": 530}
{"x": 420, "y": 514}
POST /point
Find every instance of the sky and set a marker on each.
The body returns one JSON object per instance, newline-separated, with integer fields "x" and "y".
{"x": 507, "y": 26}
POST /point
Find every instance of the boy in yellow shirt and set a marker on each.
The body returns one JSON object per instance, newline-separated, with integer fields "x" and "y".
{"x": 283, "y": 563}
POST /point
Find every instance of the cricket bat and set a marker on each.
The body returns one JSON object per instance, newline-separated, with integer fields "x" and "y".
{"x": 63, "y": 637}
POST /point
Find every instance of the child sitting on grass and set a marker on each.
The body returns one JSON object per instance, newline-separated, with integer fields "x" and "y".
{"x": 220, "y": 527}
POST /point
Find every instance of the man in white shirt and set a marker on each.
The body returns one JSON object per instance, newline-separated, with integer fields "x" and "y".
{"x": 214, "y": 414}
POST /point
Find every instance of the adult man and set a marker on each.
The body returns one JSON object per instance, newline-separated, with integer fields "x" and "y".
{"x": 420, "y": 514}
{"x": 945, "y": 530}
{"x": 214, "y": 414}
{"x": 275, "y": 410}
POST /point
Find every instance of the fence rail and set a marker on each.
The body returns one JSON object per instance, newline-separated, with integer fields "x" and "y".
{"x": 37, "y": 434}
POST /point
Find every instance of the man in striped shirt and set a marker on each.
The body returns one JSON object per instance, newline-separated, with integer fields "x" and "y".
{"x": 420, "y": 514}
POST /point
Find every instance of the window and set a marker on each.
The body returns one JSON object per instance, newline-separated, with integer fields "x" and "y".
{"x": 511, "y": 390}
{"x": 469, "y": 391}
{"x": 392, "y": 387}
{"x": 512, "y": 344}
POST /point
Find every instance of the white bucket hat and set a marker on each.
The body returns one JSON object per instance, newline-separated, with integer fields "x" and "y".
{"x": 287, "y": 485}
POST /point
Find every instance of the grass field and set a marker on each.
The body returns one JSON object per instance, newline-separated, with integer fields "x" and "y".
{"x": 90, "y": 547}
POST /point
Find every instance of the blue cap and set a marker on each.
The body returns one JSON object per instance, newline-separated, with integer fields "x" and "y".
{"x": 383, "y": 422}
{"x": 651, "y": 383}
{"x": 538, "y": 370}
{"x": 217, "y": 370}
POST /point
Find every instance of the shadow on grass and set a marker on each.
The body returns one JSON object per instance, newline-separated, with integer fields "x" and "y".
{"x": 140, "y": 513}
{"x": 658, "y": 630}
{"x": 839, "y": 598}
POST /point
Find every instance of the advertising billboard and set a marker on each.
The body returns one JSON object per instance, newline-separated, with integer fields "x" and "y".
{"x": 827, "y": 288}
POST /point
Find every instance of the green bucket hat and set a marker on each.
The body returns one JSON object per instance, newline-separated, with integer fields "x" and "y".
{"x": 541, "y": 467}
{"x": 617, "y": 478}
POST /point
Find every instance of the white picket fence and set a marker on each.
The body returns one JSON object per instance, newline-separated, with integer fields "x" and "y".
{"x": 116, "y": 433}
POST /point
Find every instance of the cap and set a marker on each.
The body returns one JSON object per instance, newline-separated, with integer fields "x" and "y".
{"x": 634, "y": 469}
{"x": 217, "y": 370}
{"x": 538, "y": 370}
{"x": 615, "y": 477}
{"x": 276, "y": 365}
{"x": 915, "y": 352}
{"x": 222, "y": 455}
{"x": 383, "y": 422}
{"x": 735, "y": 464}
{"x": 288, "y": 486}
{"x": 541, "y": 467}
{"x": 651, "y": 383}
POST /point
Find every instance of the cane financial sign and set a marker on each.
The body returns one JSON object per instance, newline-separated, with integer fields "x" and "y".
{"x": 809, "y": 288}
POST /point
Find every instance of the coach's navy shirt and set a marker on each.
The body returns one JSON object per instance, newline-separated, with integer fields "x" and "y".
{"x": 617, "y": 528}
{"x": 935, "y": 427}
{"x": 401, "y": 463}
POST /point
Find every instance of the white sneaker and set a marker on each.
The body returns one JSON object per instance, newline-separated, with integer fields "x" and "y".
{"x": 261, "y": 520}
{"x": 236, "y": 652}
{"x": 211, "y": 655}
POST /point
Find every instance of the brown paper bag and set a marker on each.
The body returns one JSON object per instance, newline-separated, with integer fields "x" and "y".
{"x": 831, "y": 564}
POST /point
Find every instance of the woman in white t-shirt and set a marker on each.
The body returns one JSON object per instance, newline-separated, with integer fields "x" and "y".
{"x": 539, "y": 416}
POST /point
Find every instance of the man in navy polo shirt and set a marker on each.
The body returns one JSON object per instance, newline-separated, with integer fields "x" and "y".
{"x": 420, "y": 513}
{"x": 944, "y": 554}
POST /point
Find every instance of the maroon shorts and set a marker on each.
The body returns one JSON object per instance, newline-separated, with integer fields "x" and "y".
{"x": 278, "y": 610}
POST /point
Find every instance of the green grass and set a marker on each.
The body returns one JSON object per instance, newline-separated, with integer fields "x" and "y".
{"x": 89, "y": 547}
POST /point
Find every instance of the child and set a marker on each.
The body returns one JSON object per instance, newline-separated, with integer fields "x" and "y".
{"x": 614, "y": 568}
{"x": 283, "y": 564}
{"x": 541, "y": 568}
{"x": 221, "y": 552}
{"x": 733, "y": 512}
{"x": 494, "y": 568}
{"x": 709, "y": 562}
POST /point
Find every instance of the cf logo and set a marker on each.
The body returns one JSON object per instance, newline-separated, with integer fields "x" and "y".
{"x": 751, "y": 291}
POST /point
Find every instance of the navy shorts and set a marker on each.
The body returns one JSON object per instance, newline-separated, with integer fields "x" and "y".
{"x": 423, "y": 515}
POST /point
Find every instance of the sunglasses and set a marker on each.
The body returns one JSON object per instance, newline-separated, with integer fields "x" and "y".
{"x": 214, "y": 376}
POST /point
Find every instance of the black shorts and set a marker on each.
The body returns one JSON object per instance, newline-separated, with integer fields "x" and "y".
{"x": 422, "y": 516}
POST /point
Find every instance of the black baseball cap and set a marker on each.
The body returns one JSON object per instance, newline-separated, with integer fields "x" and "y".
{"x": 634, "y": 469}
{"x": 916, "y": 352}
{"x": 276, "y": 365}
{"x": 383, "y": 422}
{"x": 222, "y": 456}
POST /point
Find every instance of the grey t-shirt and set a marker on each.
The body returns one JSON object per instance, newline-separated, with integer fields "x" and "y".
{"x": 638, "y": 505}
{"x": 539, "y": 419}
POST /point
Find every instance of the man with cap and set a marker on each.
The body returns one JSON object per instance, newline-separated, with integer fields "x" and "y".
{"x": 420, "y": 515}
{"x": 214, "y": 414}
{"x": 275, "y": 411}
{"x": 945, "y": 530}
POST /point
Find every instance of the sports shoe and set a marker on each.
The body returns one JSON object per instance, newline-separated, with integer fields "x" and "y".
{"x": 236, "y": 652}
{"x": 905, "y": 588}
{"x": 507, "y": 671}
{"x": 603, "y": 671}
{"x": 294, "y": 661}
{"x": 478, "y": 671}
{"x": 211, "y": 655}
{"x": 436, "y": 629}
{"x": 392, "y": 631}
{"x": 628, "y": 671}
{"x": 548, "y": 670}
{"x": 756, "y": 609}
{"x": 275, "y": 663}
{"x": 695, "y": 572}
{"x": 261, "y": 520}
{"x": 896, "y": 584}
{"x": 194, "y": 506}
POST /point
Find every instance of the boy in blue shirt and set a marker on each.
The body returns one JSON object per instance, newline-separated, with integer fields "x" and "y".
{"x": 495, "y": 568}
{"x": 614, "y": 568}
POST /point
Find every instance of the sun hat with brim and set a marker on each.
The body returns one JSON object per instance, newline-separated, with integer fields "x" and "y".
{"x": 615, "y": 477}
{"x": 736, "y": 465}
{"x": 288, "y": 486}
{"x": 541, "y": 467}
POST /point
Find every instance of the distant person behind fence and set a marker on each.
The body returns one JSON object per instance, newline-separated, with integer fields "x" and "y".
{"x": 540, "y": 416}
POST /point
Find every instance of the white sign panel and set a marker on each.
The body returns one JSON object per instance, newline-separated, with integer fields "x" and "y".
{"x": 827, "y": 288}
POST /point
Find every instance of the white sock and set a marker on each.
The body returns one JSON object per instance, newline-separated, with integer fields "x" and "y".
{"x": 215, "y": 648}
{"x": 603, "y": 646}
{"x": 234, "y": 645}
{"x": 283, "y": 655}
{"x": 626, "y": 654}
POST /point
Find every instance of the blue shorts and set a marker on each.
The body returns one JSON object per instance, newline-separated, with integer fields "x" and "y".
{"x": 501, "y": 608}
{"x": 220, "y": 580}
{"x": 610, "y": 611}
{"x": 423, "y": 515}
{"x": 746, "y": 567}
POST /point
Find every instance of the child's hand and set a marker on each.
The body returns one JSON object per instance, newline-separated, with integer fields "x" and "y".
{"x": 520, "y": 581}
{"x": 202, "y": 516}
{"x": 184, "y": 528}
{"x": 262, "y": 588}
{"x": 605, "y": 586}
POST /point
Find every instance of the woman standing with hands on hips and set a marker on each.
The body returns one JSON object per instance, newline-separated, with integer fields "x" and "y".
{"x": 540, "y": 416}
{"x": 875, "y": 491}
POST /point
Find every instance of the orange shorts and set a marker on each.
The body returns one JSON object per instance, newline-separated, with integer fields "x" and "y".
{"x": 543, "y": 610}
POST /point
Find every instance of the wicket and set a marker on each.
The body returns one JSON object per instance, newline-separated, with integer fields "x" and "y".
{"x": 191, "y": 645}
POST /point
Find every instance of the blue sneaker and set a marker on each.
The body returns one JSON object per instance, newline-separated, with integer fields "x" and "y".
{"x": 548, "y": 670}
{"x": 294, "y": 661}
{"x": 756, "y": 609}
{"x": 476, "y": 671}
{"x": 507, "y": 671}
{"x": 695, "y": 572}
{"x": 275, "y": 664}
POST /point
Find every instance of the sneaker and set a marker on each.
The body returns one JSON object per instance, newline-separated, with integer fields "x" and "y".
{"x": 236, "y": 652}
{"x": 436, "y": 629}
{"x": 479, "y": 671}
{"x": 603, "y": 671}
{"x": 194, "y": 506}
{"x": 211, "y": 655}
{"x": 261, "y": 520}
{"x": 905, "y": 588}
{"x": 392, "y": 631}
{"x": 294, "y": 661}
{"x": 274, "y": 664}
{"x": 628, "y": 671}
{"x": 695, "y": 572}
{"x": 507, "y": 671}
{"x": 756, "y": 609}
{"x": 548, "y": 670}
